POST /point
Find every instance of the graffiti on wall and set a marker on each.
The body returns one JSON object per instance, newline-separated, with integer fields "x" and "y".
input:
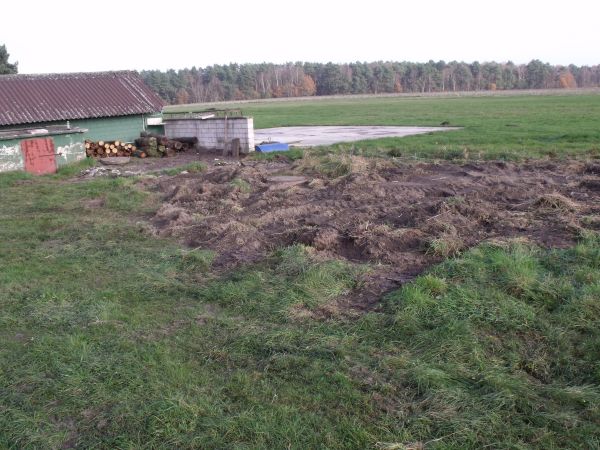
{"x": 70, "y": 153}
{"x": 10, "y": 158}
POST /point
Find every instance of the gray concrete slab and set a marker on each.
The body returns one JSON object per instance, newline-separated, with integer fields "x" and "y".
{"x": 327, "y": 135}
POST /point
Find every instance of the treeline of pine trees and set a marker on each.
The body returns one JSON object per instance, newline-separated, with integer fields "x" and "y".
{"x": 255, "y": 81}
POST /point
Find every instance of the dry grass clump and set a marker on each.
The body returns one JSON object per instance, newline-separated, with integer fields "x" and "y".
{"x": 556, "y": 201}
{"x": 445, "y": 245}
{"x": 337, "y": 165}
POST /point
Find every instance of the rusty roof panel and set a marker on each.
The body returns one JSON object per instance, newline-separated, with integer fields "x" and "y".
{"x": 46, "y": 98}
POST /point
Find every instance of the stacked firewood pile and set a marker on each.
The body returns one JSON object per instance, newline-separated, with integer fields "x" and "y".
{"x": 156, "y": 145}
{"x": 148, "y": 144}
{"x": 104, "y": 149}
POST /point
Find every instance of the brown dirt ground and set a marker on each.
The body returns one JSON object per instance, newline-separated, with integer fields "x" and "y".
{"x": 191, "y": 156}
{"x": 398, "y": 217}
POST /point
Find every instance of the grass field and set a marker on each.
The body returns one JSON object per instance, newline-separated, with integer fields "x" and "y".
{"x": 111, "y": 337}
{"x": 495, "y": 127}
{"x": 114, "y": 339}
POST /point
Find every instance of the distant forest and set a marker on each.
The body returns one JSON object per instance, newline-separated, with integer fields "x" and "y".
{"x": 256, "y": 81}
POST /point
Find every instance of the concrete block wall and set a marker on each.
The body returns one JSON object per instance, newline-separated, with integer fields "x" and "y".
{"x": 211, "y": 133}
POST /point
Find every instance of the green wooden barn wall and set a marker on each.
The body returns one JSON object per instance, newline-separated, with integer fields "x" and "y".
{"x": 122, "y": 128}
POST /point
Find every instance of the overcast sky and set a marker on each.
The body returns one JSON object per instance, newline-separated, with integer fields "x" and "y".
{"x": 61, "y": 36}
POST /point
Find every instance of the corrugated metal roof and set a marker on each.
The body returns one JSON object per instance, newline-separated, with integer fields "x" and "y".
{"x": 50, "y": 97}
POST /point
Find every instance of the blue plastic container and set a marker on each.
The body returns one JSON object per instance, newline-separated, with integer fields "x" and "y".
{"x": 271, "y": 147}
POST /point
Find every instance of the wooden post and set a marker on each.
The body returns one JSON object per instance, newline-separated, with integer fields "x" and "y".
{"x": 235, "y": 147}
{"x": 225, "y": 138}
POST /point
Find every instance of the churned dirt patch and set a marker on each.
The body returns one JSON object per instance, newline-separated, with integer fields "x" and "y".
{"x": 398, "y": 217}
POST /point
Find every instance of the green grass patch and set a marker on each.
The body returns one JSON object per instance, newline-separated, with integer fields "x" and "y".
{"x": 64, "y": 172}
{"x": 13, "y": 178}
{"x": 113, "y": 338}
{"x": 292, "y": 154}
{"x": 193, "y": 167}
{"x": 72, "y": 169}
{"x": 196, "y": 259}
{"x": 241, "y": 184}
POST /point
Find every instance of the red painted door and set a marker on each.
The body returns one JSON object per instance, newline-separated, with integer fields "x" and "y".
{"x": 38, "y": 155}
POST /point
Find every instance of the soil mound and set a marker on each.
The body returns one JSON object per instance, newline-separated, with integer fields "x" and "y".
{"x": 403, "y": 218}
